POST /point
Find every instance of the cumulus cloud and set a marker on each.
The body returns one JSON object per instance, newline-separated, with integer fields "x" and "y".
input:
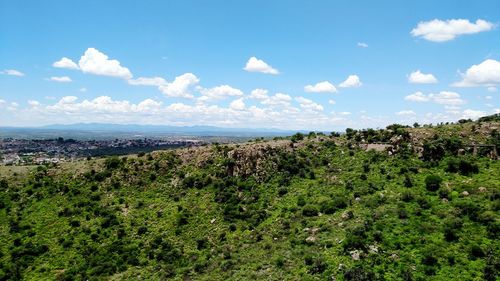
{"x": 447, "y": 98}
{"x": 105, "y": 109}
{"x": 406, "y": 113}
{"x": 181, "y": 86}
{"x": 256, "y": 65}
{"x": 237, "y": 104}
{"x": 441, "y": 31}
{"x": 492, "y": 89}
{"x": 218, "y": 93}
{"x": 362, "y": 45}
{"x": 148, "y": 81}
{"x": 417, "y": 77}
{"x": 65, "y": 62}
{"x": 99, "y": 105}
{"x": 278, "y": 99}
{"x": 351, "y": 82}
{"x": 95, "y": 62}
{"x": 308, "y": 104}
{"x": 486, "y": 73}
{"x": 33, "y": 103}
{"x": 259, "y": 94}
{"x": 321, "y": 87}
{"x": 443, "y": 97}
{"x": 60, "y": 79}
{"x": 417, "y": 97}
{"x": 473, "y": 114}
{"x": 12, "y": 72}
{"x": 332, "y": 102}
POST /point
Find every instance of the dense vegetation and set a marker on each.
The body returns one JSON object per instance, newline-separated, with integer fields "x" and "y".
{"x": 310, "y": 207}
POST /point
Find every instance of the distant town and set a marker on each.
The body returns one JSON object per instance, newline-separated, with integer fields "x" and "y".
{"x": 42, "y": 151}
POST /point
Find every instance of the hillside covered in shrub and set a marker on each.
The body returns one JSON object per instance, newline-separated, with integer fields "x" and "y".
{"x": 423, "y": 205}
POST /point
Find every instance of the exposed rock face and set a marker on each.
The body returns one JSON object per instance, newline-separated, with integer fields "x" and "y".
{"x": 356, "y": 255}
{"x": 252, "y": 160}
{"x": 347, "y": 215}
{"x": 376, "y": 146}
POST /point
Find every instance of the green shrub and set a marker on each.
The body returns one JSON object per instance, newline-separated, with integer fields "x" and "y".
{"x": 433, "y": 182}
{"x": 301, "y": 201}
{"x": 463, "y": 166}
{"x": 476, "y": 251}
{"x": 310, "y": 210}
{"x": 408, "y": 182}
{"x": 331, "y": 206}
{"x": 112, "y": 163}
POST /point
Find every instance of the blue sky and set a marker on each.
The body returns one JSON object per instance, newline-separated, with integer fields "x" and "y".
{"x": 248, "y": 63}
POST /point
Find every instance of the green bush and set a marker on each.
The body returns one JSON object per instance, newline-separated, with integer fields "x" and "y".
{"x": 433, "y": 182}
{"x": 331, "y": 206}
{"x": 112, "y": 163}
{"x": 463, "y": 166}
{"x": 310, "y": 210}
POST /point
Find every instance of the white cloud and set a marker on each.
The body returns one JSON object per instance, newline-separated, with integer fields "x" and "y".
{"x": 65, "y": 62}
{"x": 96, "y": 62}
{"x": 492, "y": 89}
{"x": 473, "y": 114}
{"x": 12, "y": 106}
{"x": 259, "y": 94}
{"x": 441, "y": 31}
{"x": 60, "y": 79}
{"x": 418, "y": 77}
{"x": 351, "y": 82}
{"x": 417, "y": 97}
{"x": 218, "y": 93}
{"x": 332, "y": 102}
{"x": 83, "y": 90}
{"x": 308, "y": 104}
{"x": 33, "y": 103}
{"x": 278, "y": 99}
{"x": 486, "y": 73}
{"x": 447, "y": 98}
{"x": 256, "y": 65}
{"x": 488, "y": 97}
{"x": 237, "y": 104}
{"x": 443, "y": 97}
{"x": 321, "y": 87}
{"x": 406, "y": 113}
{"x": 362, "y": 45}
{"x": 148, "y": 81}
{"x": 181, "y": 86}
{"x": 12, "y": 72}
{"x": 101, "y": 105}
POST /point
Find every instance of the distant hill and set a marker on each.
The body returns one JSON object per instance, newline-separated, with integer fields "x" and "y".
{"x": 161, "y": 128}
{"x": 105, "y": 130}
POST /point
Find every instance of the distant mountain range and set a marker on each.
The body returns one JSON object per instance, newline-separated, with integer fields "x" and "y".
{"x": 105, "y": 130}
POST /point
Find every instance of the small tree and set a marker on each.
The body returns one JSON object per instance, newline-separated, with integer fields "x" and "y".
{"x": 310, "y": 211}
{"x": 433, "y": 182}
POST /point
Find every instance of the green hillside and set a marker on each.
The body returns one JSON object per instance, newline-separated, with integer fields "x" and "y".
{"x": 422, "y": 205}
